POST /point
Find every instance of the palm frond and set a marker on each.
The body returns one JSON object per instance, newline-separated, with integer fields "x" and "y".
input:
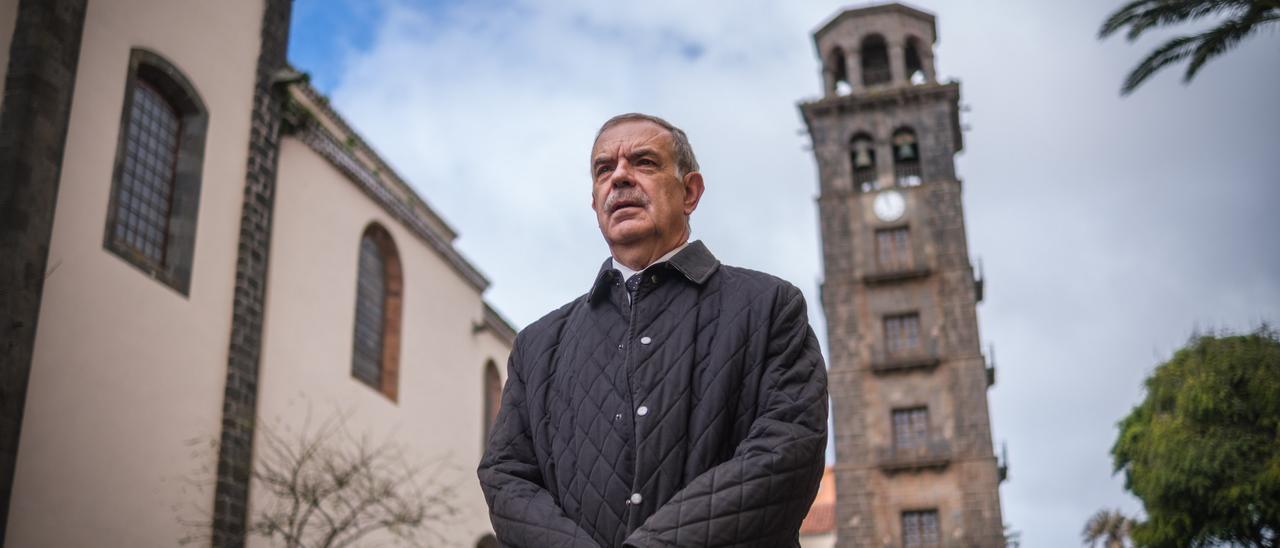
{"x": 1109, "y": 526}
{"x": 1172, "y": 51}
{"x": 1123, "y": 16}
{"x": 1142, "y": 15}
{"x": 1201, "y": 47}
{"x": 1227, "y": 35}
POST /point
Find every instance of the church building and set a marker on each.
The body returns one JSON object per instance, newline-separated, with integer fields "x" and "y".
{"x": 198, "y": 250}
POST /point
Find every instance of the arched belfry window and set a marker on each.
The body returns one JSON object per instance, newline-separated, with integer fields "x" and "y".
{"x": 837, "y": 64}
{"x": 906, "y": 158}
{"x": 913, "y": 64}
{"x": 492, "y": 396}
{"x": 375, "y": 356}
{"x": 862, "y": 157}
{"x": 155, "y": 186}
{"x": 874, "y": 55}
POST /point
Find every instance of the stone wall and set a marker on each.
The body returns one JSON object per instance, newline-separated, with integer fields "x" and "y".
{"x": 38, "y": 85}
{"x": 235, "y": 454}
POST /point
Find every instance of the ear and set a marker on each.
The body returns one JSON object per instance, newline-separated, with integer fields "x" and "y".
{"x": 693, "y": 189}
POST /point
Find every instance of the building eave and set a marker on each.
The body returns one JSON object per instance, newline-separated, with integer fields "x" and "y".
{"x": 329, "y": 135}
{"x": 498, "y": 325}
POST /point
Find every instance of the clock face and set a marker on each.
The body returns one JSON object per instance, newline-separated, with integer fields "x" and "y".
{"x": 889, "y": 205}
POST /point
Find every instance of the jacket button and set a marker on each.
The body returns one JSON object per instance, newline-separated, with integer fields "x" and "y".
{"x": 642, "y": 411}
{"x": 619, "y": 346}
{"x": 645, "y": 340}
{"x": 617, "y": 417}
{"x": 636, "y": 498}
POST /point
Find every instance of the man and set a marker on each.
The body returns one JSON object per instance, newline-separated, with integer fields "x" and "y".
{"x": 679, "y": 402}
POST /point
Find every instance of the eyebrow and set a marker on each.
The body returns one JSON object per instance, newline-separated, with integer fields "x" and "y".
{"x": 643, "y": 151}
{"x": 637, "y": 153}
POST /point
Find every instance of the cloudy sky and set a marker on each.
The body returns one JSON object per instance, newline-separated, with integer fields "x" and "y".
{"x": 1110, "y": 228}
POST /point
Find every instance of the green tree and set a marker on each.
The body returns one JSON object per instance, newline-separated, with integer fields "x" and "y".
{"x": 1108, "y": 526}
{"x": 1243, "y": 17}
{"x": 1202, "y": 451}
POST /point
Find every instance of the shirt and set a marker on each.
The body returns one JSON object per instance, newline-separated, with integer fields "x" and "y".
{"x": 627, "y": 272}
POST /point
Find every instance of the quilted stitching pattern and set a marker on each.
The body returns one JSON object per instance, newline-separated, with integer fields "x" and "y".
{"x": 728, "y": 450}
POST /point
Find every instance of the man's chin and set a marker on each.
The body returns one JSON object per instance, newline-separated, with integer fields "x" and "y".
{"x": 627, "y": 232}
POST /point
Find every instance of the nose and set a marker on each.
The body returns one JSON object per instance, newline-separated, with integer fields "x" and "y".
{"x": 621, "y": 175}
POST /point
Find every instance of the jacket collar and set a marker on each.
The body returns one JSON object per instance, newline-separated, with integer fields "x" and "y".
{"x": 695, "y": 262}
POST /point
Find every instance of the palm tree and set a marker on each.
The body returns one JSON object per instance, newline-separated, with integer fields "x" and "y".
{"x": 1244, "y": 17}
{"x": 1109, "y": 526}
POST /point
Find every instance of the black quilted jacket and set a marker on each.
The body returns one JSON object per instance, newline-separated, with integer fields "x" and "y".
{"x": 695, "y": 417}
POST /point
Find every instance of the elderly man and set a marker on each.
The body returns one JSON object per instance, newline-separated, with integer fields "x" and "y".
{"x": 679, "y": 402}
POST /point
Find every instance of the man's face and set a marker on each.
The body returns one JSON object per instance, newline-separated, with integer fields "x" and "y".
{"x": 637, "y": 193}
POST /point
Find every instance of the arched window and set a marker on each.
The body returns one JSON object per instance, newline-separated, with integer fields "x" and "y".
{"x": 913, "y": 65}
{"x": 492, "y": 397}
{"x": 874, "y": 54}
{"x": 836, "y": 63}
{"x": 862, "y": 156}
{"x": 155, "y": 187}
{"x": 375, "y": 357}
{"x": 906, "y": 158}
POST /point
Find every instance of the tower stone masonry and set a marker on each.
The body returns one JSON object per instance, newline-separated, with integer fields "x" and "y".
{"x": 914, "y": 459}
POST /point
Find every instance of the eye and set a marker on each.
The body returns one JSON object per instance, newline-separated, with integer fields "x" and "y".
{"x": 602, "y": 169}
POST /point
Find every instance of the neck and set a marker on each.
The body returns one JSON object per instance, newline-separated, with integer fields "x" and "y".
{"x": 639, "y": 255}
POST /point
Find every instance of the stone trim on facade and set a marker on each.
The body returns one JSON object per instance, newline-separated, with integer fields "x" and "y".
{"x": 38, "y": 87}
{"x": 239, "y": 408}
{"x": 881, "y": 99}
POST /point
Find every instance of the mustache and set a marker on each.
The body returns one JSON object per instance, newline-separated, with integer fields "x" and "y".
{"x": 625, "y": 197}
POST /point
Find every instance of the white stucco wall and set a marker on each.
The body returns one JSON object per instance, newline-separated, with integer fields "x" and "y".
{"x": 126, "y": 371}
{"x": 306, "y": 364}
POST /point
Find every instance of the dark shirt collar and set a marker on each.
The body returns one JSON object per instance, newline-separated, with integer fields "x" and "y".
{"x": 695, "y": 262}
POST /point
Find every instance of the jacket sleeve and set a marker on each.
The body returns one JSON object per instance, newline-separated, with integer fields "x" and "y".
{"x": 523, "y": 512}
{"x": 761, "y": 494}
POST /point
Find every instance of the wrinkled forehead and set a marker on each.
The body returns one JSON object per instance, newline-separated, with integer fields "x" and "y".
{"x": 630, "y": 135}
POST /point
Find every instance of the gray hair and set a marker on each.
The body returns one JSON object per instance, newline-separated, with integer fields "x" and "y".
{"x": 686, "y": 162}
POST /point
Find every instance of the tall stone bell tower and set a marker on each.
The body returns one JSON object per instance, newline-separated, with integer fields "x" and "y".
{"x": 914, "y": 459}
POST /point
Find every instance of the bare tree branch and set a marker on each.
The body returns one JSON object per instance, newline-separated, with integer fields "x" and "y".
{"x": 326, "y": 487}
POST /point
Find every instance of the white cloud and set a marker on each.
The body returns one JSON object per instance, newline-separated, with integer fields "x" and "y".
{"x": 1108, "y": 227}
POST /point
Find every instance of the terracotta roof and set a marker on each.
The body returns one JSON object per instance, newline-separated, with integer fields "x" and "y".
{"x": 821, "y": 519}
{"x": 822, "y": 515}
